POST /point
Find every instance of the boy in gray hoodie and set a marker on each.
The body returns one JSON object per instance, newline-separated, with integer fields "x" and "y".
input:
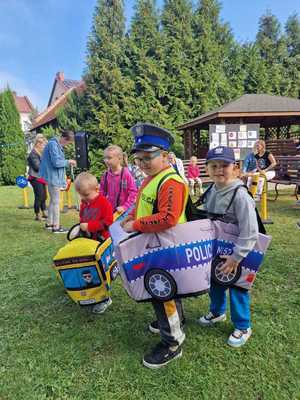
{"x": 241, "y": 211}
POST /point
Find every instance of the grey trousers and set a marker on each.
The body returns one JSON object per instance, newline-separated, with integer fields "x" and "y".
{"x": 169, "y": 315}
{"x": 53, "y": 210}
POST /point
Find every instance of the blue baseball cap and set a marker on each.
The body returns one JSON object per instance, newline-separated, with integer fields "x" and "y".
{"x": 221, "y": 153}
{"x": 148, "y": 137}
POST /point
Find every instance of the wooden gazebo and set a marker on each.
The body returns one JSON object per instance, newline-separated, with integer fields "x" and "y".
{"x": 275, "y": 114}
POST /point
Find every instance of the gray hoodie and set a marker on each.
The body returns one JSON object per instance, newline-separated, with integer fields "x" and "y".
{"x": 241, "y": 213}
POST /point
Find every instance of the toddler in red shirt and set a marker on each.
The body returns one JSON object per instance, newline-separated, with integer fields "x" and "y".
{"x": 95, "y": 215}
{"x": 193, "y": 175}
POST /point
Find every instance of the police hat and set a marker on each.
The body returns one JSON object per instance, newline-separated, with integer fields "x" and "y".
{"x": 148, "y": 137}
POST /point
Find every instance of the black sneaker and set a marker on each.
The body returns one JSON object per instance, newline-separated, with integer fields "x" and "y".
{"x": 60, "y": 230}
{"x": 154, "y": 328}
{"x": 49, "y": 227}
{"x": 161, "y": 355}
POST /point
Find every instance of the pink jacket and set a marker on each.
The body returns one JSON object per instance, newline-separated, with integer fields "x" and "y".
{"x": 193, "y": 171}
{"x": 119, "y": 194}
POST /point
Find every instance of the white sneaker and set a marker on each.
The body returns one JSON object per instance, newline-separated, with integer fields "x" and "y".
{"x": 239, "y": 337}
{"x": 210, "y": 319}
{"x": 101, "y": 307}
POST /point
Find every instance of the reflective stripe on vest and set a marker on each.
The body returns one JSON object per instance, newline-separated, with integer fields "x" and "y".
{"x": 148, "y": 194}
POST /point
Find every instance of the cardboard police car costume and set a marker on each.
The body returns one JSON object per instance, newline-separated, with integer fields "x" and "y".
{"x": 178, "y": 262}
{"x": 86, "y": 268}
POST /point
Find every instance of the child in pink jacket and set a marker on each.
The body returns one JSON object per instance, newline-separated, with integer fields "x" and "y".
{"x": 117, "y": 183}
{"x": 194, "y": 175}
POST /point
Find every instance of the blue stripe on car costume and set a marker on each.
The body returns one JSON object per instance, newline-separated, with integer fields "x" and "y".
{"x": 189, "y": 255}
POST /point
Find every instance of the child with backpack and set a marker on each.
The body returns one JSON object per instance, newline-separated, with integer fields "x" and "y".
{"x": 160, "y": 205}
{"x": 228, "y": 200}
{"x": 117, "y": 183}
{"x": 95, "y": 217}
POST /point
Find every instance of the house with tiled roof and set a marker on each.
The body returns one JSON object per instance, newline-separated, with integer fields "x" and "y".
{"x": 60, "y": 91}
{"x": 25, "y": 109}
{"x": 61, "y": 86}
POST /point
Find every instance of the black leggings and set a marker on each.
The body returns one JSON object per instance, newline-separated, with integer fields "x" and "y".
{"x": 40, "y": 196}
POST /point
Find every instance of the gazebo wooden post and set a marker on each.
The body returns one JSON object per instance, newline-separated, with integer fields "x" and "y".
{"x": 197, "y": 133}
{"x": 188, "y": 143}
{"x": 196, "y": 143}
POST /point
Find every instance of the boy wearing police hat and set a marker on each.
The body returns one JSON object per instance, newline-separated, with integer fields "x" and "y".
{"x": 160, "y": 205}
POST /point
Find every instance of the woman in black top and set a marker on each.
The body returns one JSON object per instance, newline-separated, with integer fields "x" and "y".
{"x": 265, "y": 164}
{"x": 265, "y": 160}
{"x": 38, "y": 184}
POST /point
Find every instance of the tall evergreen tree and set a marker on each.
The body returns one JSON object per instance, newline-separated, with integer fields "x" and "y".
{"x": 12, "y": 141}
{"x": 109, "y": 91}
{"x": 268, "y": 36}
{"x": 176, "y": 29}
{"x": 145, "y": 56}
{"x": 256, "y": 77}
{"x": 292, "y": 61}
{"x": 233, "y": 65}
{"x": 272, "y": 46}
{"x": 213, "y": 70}
{"x": 292, "y": 30}
{"x": 145, "y": 63}
{"x": 178, "y": 40}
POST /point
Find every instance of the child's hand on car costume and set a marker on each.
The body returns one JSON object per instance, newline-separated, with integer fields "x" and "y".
{"x": 84, "y": 226}
{"x": 128, "y": 226}
{"x": 120, "y": 210}
{"x": 229, "y": 265}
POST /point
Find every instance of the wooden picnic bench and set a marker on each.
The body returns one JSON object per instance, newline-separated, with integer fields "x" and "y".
{"x": 287, "y": 173}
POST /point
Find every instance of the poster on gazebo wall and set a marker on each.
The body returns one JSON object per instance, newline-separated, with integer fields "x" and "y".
{"x": 240, "y": 137}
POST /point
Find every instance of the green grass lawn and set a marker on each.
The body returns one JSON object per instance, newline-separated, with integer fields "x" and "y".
{"x": 52, "y": 349}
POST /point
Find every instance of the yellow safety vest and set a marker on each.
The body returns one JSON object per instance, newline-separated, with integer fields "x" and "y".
{"x": 148, "y": 194}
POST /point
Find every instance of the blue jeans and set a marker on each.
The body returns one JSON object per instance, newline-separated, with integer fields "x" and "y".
{"x": 239, "y": 304}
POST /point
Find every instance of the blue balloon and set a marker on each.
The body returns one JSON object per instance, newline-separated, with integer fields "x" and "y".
{"x": 21, "y": 181}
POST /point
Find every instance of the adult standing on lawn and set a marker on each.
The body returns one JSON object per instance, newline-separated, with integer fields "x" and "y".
{"x": 52, "y": 169}
{"x": 38, "y": 184}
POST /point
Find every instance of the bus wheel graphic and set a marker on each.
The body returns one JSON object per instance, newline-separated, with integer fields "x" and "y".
{"x": 160, "y": 284}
